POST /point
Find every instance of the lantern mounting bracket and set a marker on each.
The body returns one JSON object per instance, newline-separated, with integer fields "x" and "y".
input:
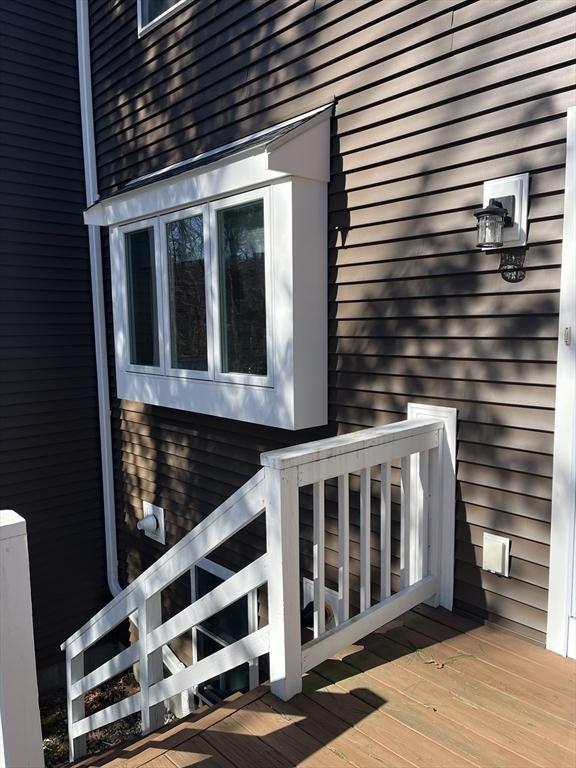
{"x": 508, "y": 203}
{"x": 512, "y": 193}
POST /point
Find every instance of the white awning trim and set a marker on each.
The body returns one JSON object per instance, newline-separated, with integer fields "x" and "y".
{"x": 297, "y": 147}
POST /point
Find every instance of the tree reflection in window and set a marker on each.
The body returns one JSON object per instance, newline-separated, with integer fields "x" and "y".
{"x": 187, "y": 293}
{"x": 242, "y": 289}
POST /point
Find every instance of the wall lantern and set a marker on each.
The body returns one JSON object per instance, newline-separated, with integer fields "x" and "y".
{"x": 502, "y": 222}
{"x": 491, "y": 222}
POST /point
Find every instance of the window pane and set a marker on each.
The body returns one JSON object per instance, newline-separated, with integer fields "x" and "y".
{"x": 224, "y": 628}
{"x": 221, "y": 686}
{"x": 231, "y": 623}
{"x": 142, "y": 310}
{"x": 151, "y": 9}
{"x": 185, "y": 242}
{"x": 242, "y": 289}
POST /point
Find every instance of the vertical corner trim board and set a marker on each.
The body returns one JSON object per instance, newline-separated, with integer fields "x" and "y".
{"x": 561, "y": 627}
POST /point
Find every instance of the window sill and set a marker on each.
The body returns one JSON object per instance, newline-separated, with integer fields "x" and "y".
{"x": 268, "y": 406}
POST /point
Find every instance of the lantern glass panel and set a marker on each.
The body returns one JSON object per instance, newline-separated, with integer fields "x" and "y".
{"x": 490, "y": 230}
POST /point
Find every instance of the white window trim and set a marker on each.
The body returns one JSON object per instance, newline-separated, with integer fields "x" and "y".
{"x": 212, "y": 288}
{"x": 121, "y": 245}
{"x": 144, "y": 28}
{"x": 220, "y": 205}
{"x": 169, "y": 370}
{"x": 291, "y": 175}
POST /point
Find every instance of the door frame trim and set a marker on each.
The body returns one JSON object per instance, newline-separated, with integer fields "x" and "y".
{"x": 562, "y": 534}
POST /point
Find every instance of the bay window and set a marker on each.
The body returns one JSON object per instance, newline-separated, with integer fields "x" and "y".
{"x": 219, "y": 282}
{"x": 206, "y": 268}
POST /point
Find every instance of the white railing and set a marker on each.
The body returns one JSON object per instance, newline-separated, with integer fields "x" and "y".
{"x": 141, "y": 601}
{"x": 359, "y": 464}
{"x": 424, "y": 445}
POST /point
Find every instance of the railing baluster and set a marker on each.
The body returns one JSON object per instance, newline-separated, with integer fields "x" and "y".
{"x": 364, "y": 539}
{"x": 425, "y": 513}
{"x": 343, "y": 547}
{"x": 404, "y": 522}
{"x": 151, "y": 671}
{"x": 319, "y": 559}
{"x": 74, "y": 673}
{"x": 433, "y": 541}
{"x": 385, "y": 531}
{"x": 194, "y": 637}
{"x": 253, "y": 664}
{"x": 418, "y": 515}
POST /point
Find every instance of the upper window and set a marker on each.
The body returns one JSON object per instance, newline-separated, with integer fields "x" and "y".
{"x": 219, "y": 280}
{"x": 152, "y": 12}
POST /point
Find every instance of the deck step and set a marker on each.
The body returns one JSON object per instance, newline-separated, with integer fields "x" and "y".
{"x": 141, "y": 751}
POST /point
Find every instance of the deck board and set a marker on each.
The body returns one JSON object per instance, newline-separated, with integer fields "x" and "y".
{"x": 488, "y": 633}
{"x": 353, "y": 745}
{"x": 480, "y": 724}
{"x": 371, "y": 718}
{"x": 423, "y": 719}
{"x": 553, "y": 679}
{"x": 196, "y": 751}
{"x": 429, "y": 690}
{"x": 474, "y": 691}
{"x": 521, "y": 689}
{"x": 277, "y": 730}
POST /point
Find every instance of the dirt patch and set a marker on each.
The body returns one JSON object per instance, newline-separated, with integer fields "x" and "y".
{"x": 55, "y": 729}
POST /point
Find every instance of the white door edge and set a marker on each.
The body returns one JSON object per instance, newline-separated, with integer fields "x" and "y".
{"x": 561, "y": 630}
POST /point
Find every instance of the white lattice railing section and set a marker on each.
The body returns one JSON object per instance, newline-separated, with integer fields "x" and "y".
{"x": 424, "y": 445}
{"x": 424, "y": 448}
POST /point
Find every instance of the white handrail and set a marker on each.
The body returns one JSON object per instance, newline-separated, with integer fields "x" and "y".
{"x": 298, "y": 455}
{"x": 231, "y": 590}
{"x": 202, "y": 539}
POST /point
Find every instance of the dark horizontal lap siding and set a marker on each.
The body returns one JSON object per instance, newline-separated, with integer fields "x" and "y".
{"x": 432, "y": 98}
{"x": 49, "y": 449}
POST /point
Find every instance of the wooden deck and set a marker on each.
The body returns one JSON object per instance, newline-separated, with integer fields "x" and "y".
{"x": 431, "y": 690}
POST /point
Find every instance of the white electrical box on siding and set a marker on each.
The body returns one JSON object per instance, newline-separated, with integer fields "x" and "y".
{"x": 496, "y": 554}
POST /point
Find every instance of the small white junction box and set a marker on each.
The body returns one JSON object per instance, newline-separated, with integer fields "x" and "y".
{"x": 496, "y": 554}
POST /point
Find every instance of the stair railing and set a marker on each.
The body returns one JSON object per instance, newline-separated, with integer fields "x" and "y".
{"x": 361, "y": 463}
{"x": 142, "y": 600}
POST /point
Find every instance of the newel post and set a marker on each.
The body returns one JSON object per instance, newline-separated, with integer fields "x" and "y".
{"x": 283, "y": 546}
{"x": 441, "y": 473}
{"x": 150, "y": 666}
{"x": 20, "y": 732}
